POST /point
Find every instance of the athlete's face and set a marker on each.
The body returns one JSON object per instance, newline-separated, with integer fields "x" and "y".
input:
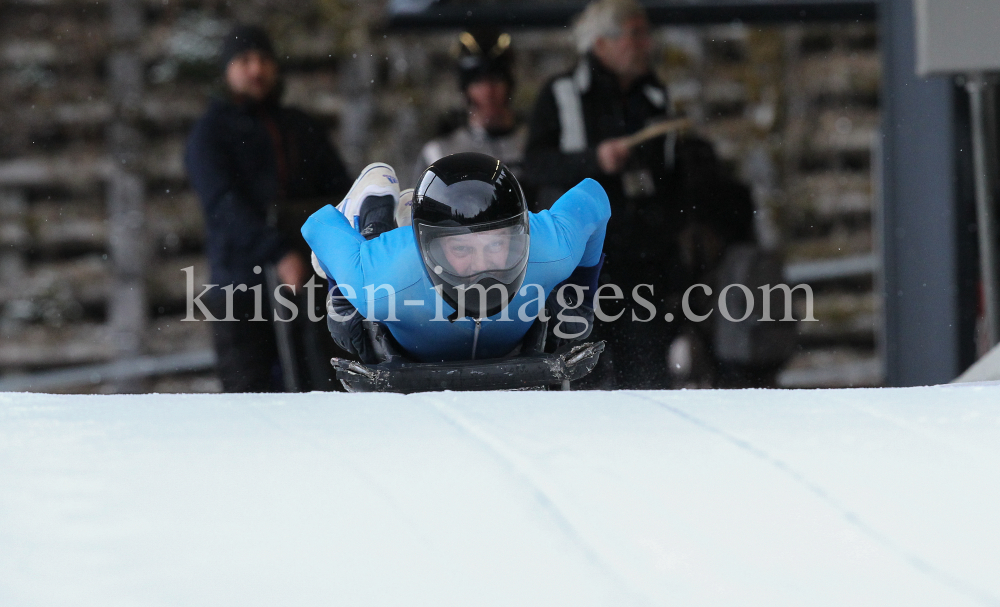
{"x": 470, "y": 254}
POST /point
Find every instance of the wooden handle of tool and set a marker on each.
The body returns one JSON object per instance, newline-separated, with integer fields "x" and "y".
{"x": 655, "y": 130}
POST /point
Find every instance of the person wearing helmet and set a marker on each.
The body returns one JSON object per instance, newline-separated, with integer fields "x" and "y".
{"x": 471, "y": 273}
{"x": 485, "y": 62}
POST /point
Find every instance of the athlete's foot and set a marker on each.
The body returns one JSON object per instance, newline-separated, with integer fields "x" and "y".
{"x": 376, "y": 215}
{"x": 404, "y": 209}
{"x": 376, "y": 180}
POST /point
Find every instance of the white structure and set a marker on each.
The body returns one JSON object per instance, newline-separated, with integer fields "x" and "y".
{"x": 771, "y": 498}
{"x": 957, "y": 36}
{"x": 960, "y": 37}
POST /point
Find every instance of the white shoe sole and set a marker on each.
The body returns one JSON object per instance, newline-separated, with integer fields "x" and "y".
{"x": 385, "y": 185}
{"x": 404, "y": 208}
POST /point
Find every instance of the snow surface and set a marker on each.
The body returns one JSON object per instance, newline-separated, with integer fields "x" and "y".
{"x": 800, "y": 498}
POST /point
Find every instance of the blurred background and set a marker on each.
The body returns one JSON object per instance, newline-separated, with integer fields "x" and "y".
{"x": 97, "y": 219}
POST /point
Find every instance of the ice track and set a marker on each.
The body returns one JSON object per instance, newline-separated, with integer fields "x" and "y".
{"x": 771, "y": 498}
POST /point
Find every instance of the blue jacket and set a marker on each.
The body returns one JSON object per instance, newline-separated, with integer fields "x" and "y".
{"x": 244, "y": 158}
{"x": 569, "y": 235}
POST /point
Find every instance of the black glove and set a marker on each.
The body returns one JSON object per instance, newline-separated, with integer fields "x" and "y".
{"x": 347, "y": 328}
{"x": 571, "y": 319}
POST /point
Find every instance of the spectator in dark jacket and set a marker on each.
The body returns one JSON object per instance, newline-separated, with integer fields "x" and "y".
{"x": 578, "y": 129}
{"x": 260, "y": 169}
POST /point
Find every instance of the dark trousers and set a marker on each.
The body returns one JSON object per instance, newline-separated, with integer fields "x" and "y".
{"x": 635, "y": 357}
{"x": 639, "y": 350}
{"x": 247, "y": 351}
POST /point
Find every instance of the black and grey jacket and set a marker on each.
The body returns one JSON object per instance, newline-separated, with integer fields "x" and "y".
{"x": 669, "y": 185}
{"x": 577, "y": 111}
{"x": 507, "y": 146}
{"x": 573, "y": 114}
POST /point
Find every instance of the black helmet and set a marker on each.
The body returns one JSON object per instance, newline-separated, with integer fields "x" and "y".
{"x": 484, "y": 55}
{"x": 470, "y": 220}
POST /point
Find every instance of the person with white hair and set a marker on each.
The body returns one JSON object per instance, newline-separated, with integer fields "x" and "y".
{"x": 578, "y": 130}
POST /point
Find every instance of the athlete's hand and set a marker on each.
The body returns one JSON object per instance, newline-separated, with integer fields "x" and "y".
{"x": 347, "y": 329}
{"x": 292, "y": 270}
{"x": 612, "y": 154}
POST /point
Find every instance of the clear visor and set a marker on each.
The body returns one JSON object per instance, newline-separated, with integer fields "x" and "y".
{"x": 464, "y": 255}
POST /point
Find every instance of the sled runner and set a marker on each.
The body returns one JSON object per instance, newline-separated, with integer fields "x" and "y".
{"x": 532, "y": 368}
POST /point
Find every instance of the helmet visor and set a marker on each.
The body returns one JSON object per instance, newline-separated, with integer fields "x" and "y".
{"x": 467, "y": 255}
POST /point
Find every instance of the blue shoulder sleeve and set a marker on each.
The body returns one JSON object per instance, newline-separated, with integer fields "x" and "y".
{"x": 350, "y": 260}
{"x": 336, "y": 244}
{"x": 579, "y": 220}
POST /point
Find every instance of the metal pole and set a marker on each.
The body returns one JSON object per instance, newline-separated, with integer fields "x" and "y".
{"x": 282, "y": 330}
{"x": 128, "y": 245}
{"x": 475, "y": 338}
{"x": 282, "y": 334}
{"x": 982, "y": 102}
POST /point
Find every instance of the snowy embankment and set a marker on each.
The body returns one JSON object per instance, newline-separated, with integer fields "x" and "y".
{"x": 846, "y": 497}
